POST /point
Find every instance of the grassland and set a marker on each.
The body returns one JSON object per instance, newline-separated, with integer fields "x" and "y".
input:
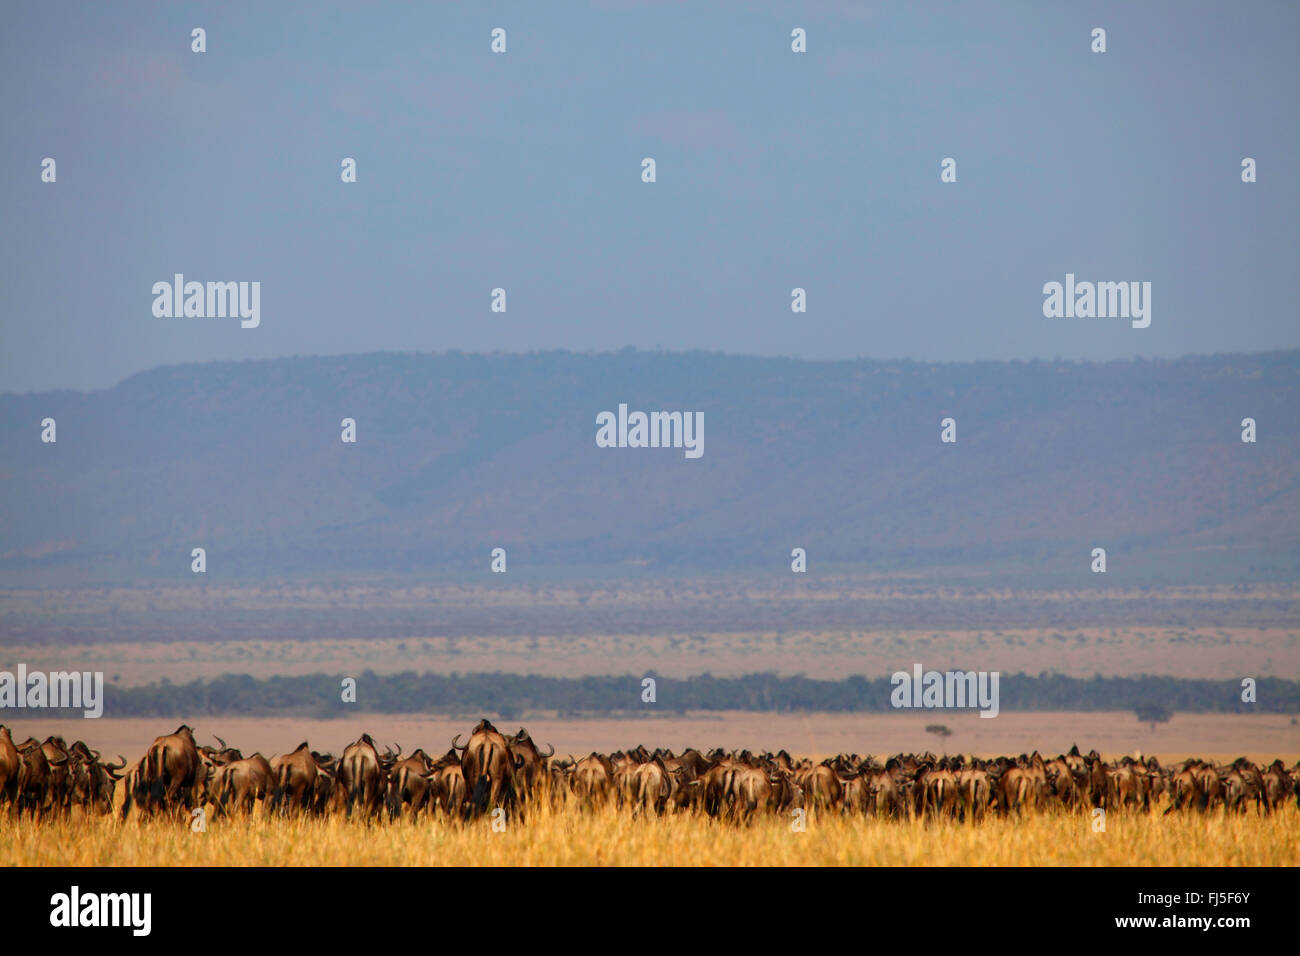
{"x": 571, "y": 837}
{"x": 1187, "y": 652}
{"x": 822, "y": 628}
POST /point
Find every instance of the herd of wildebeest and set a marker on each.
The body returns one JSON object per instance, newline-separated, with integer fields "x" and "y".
{"x": 494, "y": 770}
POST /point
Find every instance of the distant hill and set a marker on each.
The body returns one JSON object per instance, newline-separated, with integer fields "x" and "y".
{"x": 457, "y": 454}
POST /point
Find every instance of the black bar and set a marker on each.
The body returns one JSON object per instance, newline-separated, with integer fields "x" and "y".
{"x": 347, "y": 904}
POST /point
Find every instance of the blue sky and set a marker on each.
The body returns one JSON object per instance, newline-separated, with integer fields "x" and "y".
{"x": 522, "y": 170}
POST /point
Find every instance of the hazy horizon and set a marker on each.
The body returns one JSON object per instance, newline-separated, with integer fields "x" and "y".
{"x": 776, "y": 170}
{"x": 598, "y": 353}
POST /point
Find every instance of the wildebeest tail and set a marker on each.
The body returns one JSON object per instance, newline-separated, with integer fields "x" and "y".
{"x": 354, "y": 791}
{"x": 482, "y": 791}
{"x": 396, "y": 791}
{"x": 281, "y": 787}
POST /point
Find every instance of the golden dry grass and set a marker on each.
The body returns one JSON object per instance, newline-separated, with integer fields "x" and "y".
{"x": 568, "y": 836}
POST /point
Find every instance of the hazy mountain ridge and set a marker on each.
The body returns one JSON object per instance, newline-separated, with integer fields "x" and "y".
{"x": 458, "y": 454}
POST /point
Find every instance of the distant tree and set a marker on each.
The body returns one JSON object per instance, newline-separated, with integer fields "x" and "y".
{"x": 1153, "y": 714}
{"x": 939, "y": 729}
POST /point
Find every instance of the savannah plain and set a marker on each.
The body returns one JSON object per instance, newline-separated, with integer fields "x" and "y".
{"x": 826, "y": 629}
{"x": 563, "y": 833}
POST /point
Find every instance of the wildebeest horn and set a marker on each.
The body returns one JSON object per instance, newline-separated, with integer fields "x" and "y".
{"x": 551, "y": 754}
{"x": 455, "y": 745}
{"x": 119, "y": 766}
{"x": 220, "y": 741}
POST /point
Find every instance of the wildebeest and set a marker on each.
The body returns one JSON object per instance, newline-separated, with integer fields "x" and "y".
{"x": 592, "y": 779}
{"x": 237, "y": 785}
{"x": 1063, "y": 783}
{"x": 873, "y": 790}
{"x": 295, "y": 780}
{"x": 936, "y": 792}
{"x": 34, "y": 779}
{"x": 1127, "y": 785}
{"x": 361, "y": 775}
{"x": 409, "y": 784}
{"x": 1277, "y": 785}
{"x": 171, "y": 770}
{"x": 530, "y": 763}
{"x": 10, "y": 764}
{"x": 136, "y": 791}
{"x": 492, "y": 770}
{"x": 1209, "y": 786}
{"x": 448, "y": 780}
{"x": 757, "y": 789}
{"x": 60, "y": 785}
{"x": 92, "y": 781}
{"x": 651, "y": 786}
{"x": 488, "y": 768}
{"x": 1253, "y": 787}
{"x": 1015, "y": 788}
{"x": 821, "y": 786}
{"x": 1197, "y": 785}
{"x": 328, "y": 795}
{"x": 974, "y": 792}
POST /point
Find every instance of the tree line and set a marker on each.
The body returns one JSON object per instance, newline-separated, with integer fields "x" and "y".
{"x": 510, "y": 695}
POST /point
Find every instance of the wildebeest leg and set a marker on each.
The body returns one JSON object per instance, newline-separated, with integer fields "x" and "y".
{"x": 479, "y": 798}
{"x": 516, "y": 801}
